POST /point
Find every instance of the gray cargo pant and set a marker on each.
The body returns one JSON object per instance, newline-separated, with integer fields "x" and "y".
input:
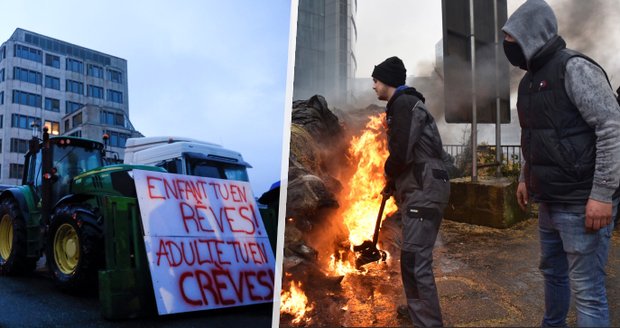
{"x": 420, "y": 228}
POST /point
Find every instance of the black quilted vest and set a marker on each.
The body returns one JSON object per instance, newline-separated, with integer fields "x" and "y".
{"x": 558, "y": 145}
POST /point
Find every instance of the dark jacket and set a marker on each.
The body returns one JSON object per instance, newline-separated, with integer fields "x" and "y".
{"x": 557, "y": 143}
{"x": 534, "y": 27}
{"x": 415, "y": 166}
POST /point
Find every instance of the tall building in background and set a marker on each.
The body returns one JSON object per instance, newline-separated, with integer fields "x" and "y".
{"x": 324, "y": 59}
{"x": 69, "y": 89}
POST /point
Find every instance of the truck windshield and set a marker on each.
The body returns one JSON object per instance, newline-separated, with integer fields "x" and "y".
{"x": 215, "y": 169}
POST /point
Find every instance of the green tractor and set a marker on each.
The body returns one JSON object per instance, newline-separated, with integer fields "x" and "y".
{"x": 84, "y": 217}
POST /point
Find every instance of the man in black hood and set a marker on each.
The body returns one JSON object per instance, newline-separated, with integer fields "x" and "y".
{"x": 416, "y": 177}
{"x": 570, "y": 138}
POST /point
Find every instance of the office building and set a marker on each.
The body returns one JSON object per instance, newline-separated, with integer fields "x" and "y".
{"x": 324, "y": 56}
{"x": 69, "y": 89}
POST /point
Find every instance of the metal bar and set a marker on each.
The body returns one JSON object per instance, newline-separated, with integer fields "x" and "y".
{"x": 498, "y": 124}
{"x": 474, "y": 131}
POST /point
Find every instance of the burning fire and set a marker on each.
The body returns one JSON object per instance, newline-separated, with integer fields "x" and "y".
{"x": 295, "y": 303}
{"x": 340, "y": 267}
{"x": 362, "y": 199}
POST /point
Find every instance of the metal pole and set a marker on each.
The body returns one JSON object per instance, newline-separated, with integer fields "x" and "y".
{"x": 498, "y": 124}
{"x": 474, "y": 131}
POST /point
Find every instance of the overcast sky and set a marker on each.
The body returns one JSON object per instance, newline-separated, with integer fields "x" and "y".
{"x": 205, "y": 69}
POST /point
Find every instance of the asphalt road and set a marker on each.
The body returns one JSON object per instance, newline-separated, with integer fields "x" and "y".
{"x": 34, "y": 301}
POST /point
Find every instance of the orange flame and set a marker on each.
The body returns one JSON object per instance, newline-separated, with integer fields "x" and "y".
{"x": 340, "y": 267}
{"x": 295, "y": 303}
{"x": 363, "y": 197}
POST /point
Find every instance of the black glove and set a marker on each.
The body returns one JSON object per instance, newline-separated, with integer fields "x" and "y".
{"x": 389, "y": 189}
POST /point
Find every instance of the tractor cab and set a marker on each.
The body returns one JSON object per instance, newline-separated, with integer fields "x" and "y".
{"x": 67, "y": 158}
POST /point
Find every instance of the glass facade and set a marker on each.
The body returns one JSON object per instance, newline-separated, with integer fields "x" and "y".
{"x": 52, "y": 104}
{"x": 52, "y": 60}
{"x": 115, "y": 96}
{"x": 74, "y": 86}
{"x": 117, "y": 139}
{"x": 95, "y": 71}
{"x": 66, "y": 49}
{"x": 52, "y": 127}
{"x": 28, "y": 53}
{"x": 95, "y": 91}
{"x": 22, "y": 121}
{"x": 26, "y": 75}
{"x": 26, "y": 98}
{"x": 74, "y": 65}
{"x": 19, "y": 145}
{"x": 115, "y": 76}
{"x": 52, "y": 82}
{"x": 71, "y": 106}
{"x": 16, "y": 171}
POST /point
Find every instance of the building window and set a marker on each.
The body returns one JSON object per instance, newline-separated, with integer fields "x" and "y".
{"x": 74, "y": 65}
{"x": 1, "y": 99}
{"x": 2, "y": 53}
{"x": 117, "y": 139}
{"x": 0, "y": 151}
{"x": 26, "y": 98}
{"x": 28, "y": 53}
{"x": 1, "y": 123}
{"x": 67, "y": 127}
{"x": 94, "y": 91}
{"x": 51, "y": 60}
{"x": 26, "y": 75}
{"x": 115, "y": 76}
{"x": 52, "y": 104}
{"x": 2, "y": 75}
{"x": 110, "y": 118}
{"x": 77, "y": 119}
{"x": 71, "y": 106}
{"x": 77, "y": 133}
{"x": 52, "y": 82}
{"x": 75, "y": 87}
{"x": 52, "y": 127}
{"x": 15, "y": 171}
{"x": 95, "y": 71}
{"x": 22, "y": 121}
{"x": 115, "y": 96}
{"x": 19, "y": 145}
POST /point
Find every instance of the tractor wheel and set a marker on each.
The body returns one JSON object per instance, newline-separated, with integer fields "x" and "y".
{"x": 13, "y": 253}
{"x": 74, "y": 248}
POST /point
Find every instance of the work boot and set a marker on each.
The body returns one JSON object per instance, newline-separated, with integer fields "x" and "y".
{"x": 402, "y": 311}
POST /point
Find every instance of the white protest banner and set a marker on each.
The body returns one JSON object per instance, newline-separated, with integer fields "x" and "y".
{"x": 205, "y": 241}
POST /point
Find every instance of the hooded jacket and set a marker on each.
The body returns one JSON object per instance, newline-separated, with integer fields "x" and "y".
{"x": 569, "y": 116}
{"x": 415, "y": 166}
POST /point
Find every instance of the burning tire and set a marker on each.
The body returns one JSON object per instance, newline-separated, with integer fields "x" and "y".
{"x": 74, "y": 248}
{"x": 13, "y": 255}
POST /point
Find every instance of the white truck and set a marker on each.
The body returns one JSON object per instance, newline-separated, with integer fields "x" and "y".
{"x": 187, "y": 156}
{"x": 194, "y": 157}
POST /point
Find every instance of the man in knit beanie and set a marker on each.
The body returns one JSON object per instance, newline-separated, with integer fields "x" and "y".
{"x": 418, "y": 181}
{"x": 570, "y": 138}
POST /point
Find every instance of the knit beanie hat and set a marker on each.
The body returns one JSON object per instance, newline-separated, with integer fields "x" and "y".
{"x": 391, "y": 72}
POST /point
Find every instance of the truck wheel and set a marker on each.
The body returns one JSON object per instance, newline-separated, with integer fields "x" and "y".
{"x": 74, "y": 248}
{"x": 13, "y": 252}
